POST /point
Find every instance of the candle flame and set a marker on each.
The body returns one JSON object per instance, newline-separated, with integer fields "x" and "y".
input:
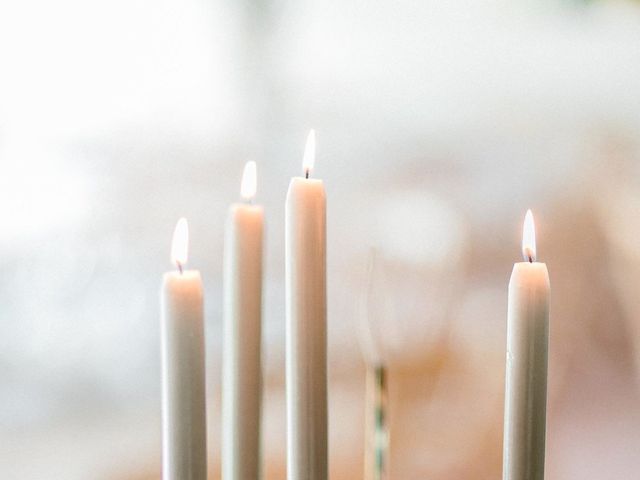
{"x": 309, "y": 153}
{"x": 529, "y": 238}
{"x": 249, "y": 181}
{"x": 180, "y": 243}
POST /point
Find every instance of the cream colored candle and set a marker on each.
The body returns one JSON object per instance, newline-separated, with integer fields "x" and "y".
{"x": 184, "y": 439}
{"x": 242, "y": 375}
{"x": 306, "y": 325}
{"x": 526, "y": 371}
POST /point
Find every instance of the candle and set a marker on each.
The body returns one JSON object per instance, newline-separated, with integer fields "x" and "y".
{"x": 242, "y": 377}
{"x": 184, "y": 442}
{"x": 306, "y": 317}
{"x": 526, "y": 372}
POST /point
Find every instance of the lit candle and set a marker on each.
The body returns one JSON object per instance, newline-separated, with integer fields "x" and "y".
{"x": 184, "y": 439}
{"x": 526, "y": 371}
{"x": 242, "y": 376}
{"x": 306, "y": 318}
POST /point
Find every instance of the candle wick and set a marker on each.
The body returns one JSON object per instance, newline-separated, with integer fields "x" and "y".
{"x": 179, "y": 267}
{"x": 306, "y": 173}
{"x": 530, "y": 259}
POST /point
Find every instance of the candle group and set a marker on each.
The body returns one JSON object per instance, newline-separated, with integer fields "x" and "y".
{"x": 183, "y": 349}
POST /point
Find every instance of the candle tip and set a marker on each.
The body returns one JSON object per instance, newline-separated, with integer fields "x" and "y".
{"x": 309, "y": 153}
{"x": 249, "y": 181}
{"x": 529, "y": 238}
{"x": 179, "y": 245}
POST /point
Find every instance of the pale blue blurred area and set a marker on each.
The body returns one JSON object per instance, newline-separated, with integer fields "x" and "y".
{"x": 438, "y": 124}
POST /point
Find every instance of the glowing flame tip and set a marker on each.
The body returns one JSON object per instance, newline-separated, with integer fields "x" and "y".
{"x": 309, "y": 153}
{"x": 529, "y": 238}
{"x": 180, "y": 243}
{"x": 249, "y": 181}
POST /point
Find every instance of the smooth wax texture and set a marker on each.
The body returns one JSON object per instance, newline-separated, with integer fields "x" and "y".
{"x": 526, "y": 372}
{"x": 242, "y": 374}
{"x": 184, "y": 441}
{"x": 306, "y": 330}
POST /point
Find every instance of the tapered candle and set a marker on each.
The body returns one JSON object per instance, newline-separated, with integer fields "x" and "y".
{"x": 306, "y": 318}
{"x": 242, "y": 376}
{"x": 526, "y": 370}
{"x": 184, "y": 439}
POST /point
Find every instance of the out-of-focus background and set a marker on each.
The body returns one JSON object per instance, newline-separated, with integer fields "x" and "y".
{"x": 438, "y": 124}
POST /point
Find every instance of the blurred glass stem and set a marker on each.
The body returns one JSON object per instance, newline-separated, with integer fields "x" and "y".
{"x": 377, "y": 433}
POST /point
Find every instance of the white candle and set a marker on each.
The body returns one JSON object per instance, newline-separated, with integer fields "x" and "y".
{"x": 184, "y": 439}
{"x": 242, "y": 375}
{"x": 306, "y": 318}
{"x": 526, "y": 372}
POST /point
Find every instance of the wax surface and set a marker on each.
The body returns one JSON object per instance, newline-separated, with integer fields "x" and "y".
{"x": 306, "y": 337}
{"x": 526, "y": 372}
{"x": 242, "y": 376}
{"x": 184, "y": 442}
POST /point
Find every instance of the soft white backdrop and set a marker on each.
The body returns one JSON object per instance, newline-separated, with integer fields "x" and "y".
{"x": 438, "y": 124}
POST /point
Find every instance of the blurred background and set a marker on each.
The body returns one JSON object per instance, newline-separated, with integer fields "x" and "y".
{"x": 438, "y": 125}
